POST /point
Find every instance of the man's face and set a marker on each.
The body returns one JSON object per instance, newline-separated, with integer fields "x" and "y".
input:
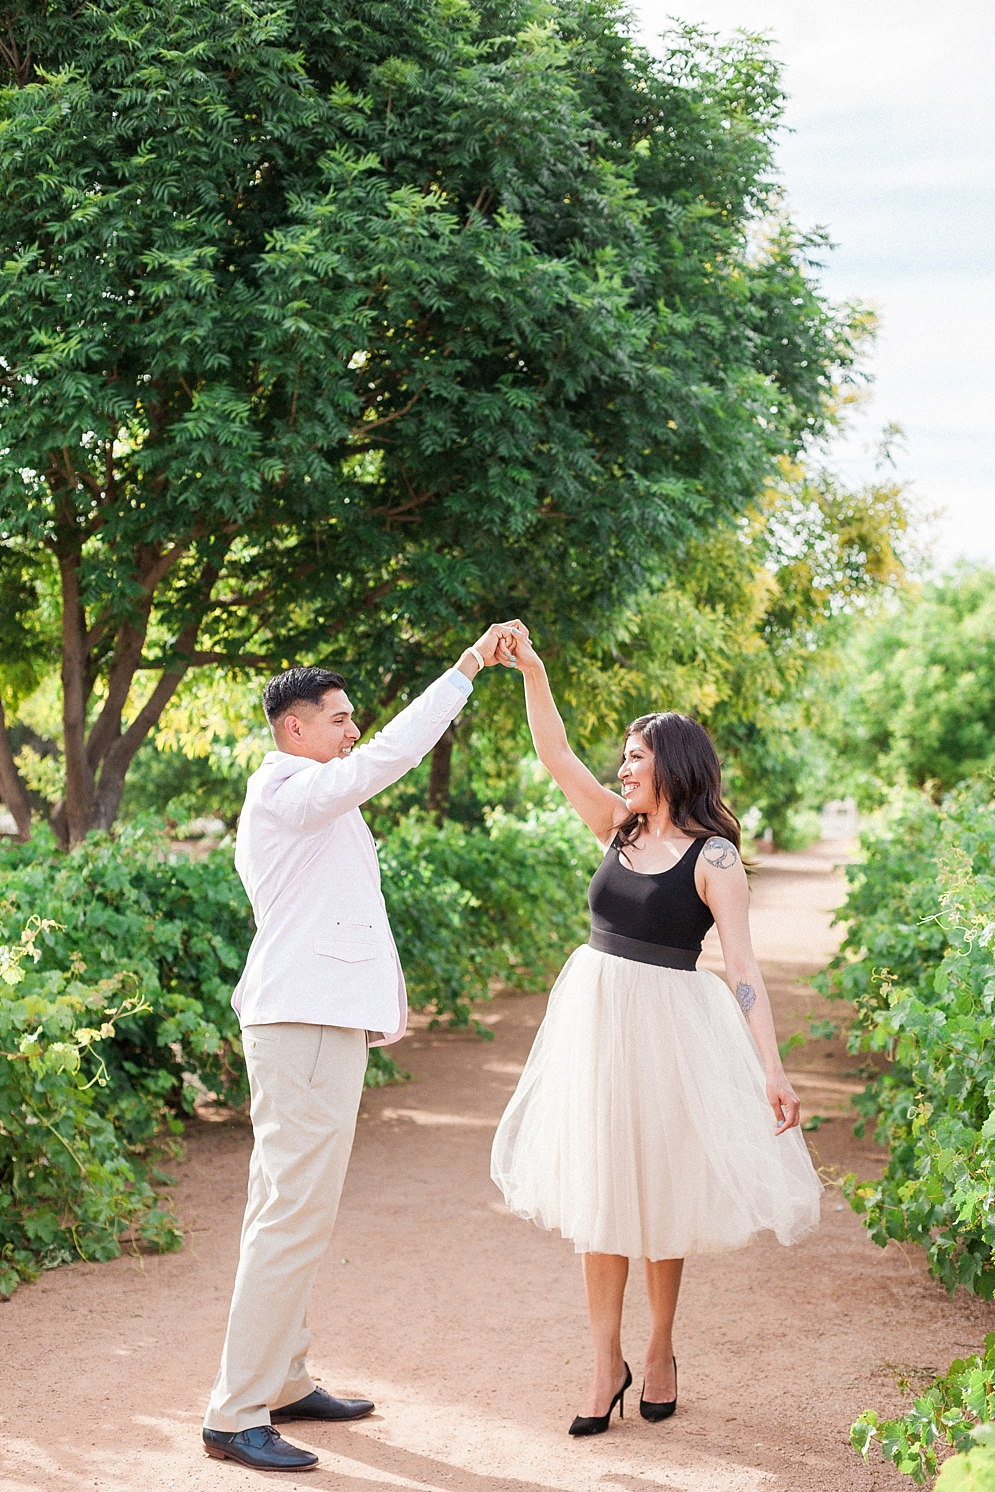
{"x": 322, "y": 732}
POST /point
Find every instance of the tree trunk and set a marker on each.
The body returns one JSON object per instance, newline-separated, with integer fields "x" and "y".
{"x": 101, "y": 760}
{"x": 440, "y": 774}
{"x": 74, "y": 822}
{"x": 121, "y": 754}
{"x": 97, "y": 760}
{"x": 12, "y": 789}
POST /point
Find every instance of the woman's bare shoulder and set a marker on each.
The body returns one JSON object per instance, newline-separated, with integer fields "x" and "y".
{"x": 720, "y": 852}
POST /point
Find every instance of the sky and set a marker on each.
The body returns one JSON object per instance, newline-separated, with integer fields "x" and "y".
{"x": 889, "y": 142}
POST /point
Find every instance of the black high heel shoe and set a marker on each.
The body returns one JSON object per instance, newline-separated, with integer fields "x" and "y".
{"x": 597, "y": 1424}
{"x": 656, "y": 1412}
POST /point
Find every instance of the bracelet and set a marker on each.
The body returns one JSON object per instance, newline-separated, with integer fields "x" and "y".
{"x": 478, "y": 657}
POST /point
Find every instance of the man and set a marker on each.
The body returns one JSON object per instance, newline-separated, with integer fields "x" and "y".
{"x": 322, "y": 981}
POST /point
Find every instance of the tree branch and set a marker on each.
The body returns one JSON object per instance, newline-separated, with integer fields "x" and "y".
{"x": 403, "y": 509}
{"x": 127, "y": 656}
{"x": 148, "y": 581}
{"x": 119, "y": 754}
{"x": 368, "y": 430}
{"x": 22, "y": 67}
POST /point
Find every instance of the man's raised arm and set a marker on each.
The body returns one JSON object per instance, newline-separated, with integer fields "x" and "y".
{"x": 333, "y": 777}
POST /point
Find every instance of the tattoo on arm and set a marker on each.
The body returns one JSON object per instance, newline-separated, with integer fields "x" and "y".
{"x": 720, "y": 852}
{"x": 746, "y": 995}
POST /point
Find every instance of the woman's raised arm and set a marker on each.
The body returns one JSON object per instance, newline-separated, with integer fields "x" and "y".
{"x": 600, "y": 808}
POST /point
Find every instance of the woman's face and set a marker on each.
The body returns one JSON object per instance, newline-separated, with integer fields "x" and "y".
{"x": 636, "y": 775}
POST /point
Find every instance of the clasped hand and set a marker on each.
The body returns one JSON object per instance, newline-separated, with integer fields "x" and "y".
{"x": 500, "y": 642}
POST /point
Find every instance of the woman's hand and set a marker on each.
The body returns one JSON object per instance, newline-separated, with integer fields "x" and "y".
{"x": 784, "y": 1101}
{"x": 523, "y": 651}
{"x": 600, "y": 808}
{"x": 495, "y": 646}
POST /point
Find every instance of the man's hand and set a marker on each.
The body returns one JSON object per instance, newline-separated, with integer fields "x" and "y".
{"x": 522, "y": 647}
{"x": 496, "y": 645}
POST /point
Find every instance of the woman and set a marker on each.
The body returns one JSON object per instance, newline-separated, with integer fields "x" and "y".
{"x": 642, "y": 1124}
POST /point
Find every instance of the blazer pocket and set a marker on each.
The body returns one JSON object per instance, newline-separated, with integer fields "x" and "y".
{"x": 350, "y": 950}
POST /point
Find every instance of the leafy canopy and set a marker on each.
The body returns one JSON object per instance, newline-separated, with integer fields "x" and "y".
{"x": 746, "y": 635}
{"x": 328, "y": 333}
{"x": 919, "y": 696}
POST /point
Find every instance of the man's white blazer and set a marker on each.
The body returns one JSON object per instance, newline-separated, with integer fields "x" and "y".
{"x": 323, "y": 953}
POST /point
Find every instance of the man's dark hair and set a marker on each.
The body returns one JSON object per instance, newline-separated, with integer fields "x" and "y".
{"x": 298, "y": 686}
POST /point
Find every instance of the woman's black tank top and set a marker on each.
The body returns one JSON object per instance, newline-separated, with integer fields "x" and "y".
{"x": 653, "y": 919}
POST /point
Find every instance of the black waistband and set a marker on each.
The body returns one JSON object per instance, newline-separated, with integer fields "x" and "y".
{"x": 643, "y": 953}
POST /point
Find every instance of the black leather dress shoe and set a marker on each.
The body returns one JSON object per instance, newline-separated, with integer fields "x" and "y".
{"x": 262, "y": 1448}
{"x": 319, "y": 1405}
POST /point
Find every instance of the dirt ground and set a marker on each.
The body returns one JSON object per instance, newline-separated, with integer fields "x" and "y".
{"x": 468, "y": 1326}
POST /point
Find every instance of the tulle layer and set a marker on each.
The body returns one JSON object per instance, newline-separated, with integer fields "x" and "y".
{"x": 641, "y": 1126}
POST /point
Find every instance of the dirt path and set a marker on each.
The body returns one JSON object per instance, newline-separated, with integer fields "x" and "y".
{"x": 467, "y": 1326}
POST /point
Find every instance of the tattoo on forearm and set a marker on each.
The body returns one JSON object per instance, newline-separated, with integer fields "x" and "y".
{"x": 746, "y": 995}
{"x": 720, "y": 853}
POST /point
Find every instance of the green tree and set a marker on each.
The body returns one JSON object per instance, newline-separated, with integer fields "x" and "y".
{"x": 919, "y": 696}
{"x": 746, "y": 636}
{"x": 362, "y": 325}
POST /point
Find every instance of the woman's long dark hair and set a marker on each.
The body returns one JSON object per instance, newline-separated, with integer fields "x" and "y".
{"x": 686, "y": 772}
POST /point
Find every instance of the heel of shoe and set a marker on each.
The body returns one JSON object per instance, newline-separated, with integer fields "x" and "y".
{"x": 621, "y": 1392}
{"x": 597, "y": 1424}
{"x": 216, "y": 1451}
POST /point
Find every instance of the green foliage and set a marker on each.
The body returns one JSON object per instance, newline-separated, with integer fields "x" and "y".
{"x": 919, "y": 963}
{"x": 174, "y": 786}
{"x": 973, "y": 1470}
{"x": 891, "y": 906}
{"x": 956, "y": 1410}
{"x": 69, "y": 1184}
{"x": 918, "y": 701}
{"x": 470, "y": 908}
{"x": 366, "y": 325}
{"x": 181, "y": 926}
{"x": 746, "y": 637}
{"x": 817, "y": 1031}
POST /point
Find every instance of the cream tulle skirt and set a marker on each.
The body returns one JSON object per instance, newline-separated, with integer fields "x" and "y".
{"x": 641, "y": 1126}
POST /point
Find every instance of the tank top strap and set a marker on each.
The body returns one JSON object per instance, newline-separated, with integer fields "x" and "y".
{"x": 690, "y": 857}
{"x": 688, "y": 864}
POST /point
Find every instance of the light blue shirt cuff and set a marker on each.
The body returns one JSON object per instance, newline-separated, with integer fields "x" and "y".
{"x": 459, "y": 681}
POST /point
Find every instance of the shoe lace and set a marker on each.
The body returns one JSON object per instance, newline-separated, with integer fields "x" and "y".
{"x": 268, "y": 1432}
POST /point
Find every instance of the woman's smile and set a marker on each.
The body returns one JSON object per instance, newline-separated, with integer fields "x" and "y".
{"x": 636, "y": 776}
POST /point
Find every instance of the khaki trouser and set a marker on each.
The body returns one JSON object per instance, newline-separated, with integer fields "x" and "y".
{"x": 306, "y": 1082}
